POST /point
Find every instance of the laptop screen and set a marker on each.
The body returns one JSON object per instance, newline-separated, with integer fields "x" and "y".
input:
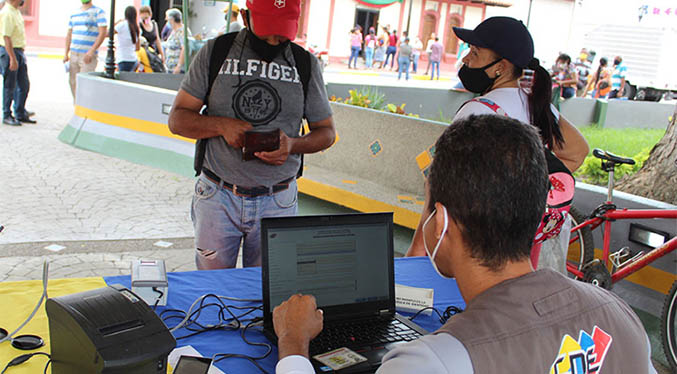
{"x": 345, "y": 261}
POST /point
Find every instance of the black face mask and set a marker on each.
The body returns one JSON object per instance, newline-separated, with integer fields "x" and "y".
{"x": 265, "y": 51}
{"x": 616, "y": 62}
{"x": 476, "y": 79}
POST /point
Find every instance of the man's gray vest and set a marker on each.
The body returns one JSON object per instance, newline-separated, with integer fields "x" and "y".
{"x": 544, "y": 322}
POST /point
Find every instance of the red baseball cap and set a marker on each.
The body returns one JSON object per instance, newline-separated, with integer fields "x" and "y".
{"x": 275, "y": 17}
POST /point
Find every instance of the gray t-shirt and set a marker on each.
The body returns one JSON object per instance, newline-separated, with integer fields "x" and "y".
{"x": 405, "y": 51}
{"x": 267, "y": 95}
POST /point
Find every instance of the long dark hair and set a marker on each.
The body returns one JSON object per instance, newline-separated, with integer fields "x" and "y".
{"x": 130, "y": 16}
{"x": 540, "y": 114}
{"x": 602, "y": 63}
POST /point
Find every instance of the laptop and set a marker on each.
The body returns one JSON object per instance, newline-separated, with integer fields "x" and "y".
{"x": 346, "y": 262}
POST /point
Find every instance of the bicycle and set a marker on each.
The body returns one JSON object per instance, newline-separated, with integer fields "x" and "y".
{"x": 613, "y": 267}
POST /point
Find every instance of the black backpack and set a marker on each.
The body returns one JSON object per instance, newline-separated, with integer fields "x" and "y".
{"x": 220, "y": 51}
{"x": 155, "y": 61}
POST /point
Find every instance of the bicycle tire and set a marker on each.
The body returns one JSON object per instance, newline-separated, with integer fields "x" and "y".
{"x": 668, "y": 327}
{"x": 582, "y": 250}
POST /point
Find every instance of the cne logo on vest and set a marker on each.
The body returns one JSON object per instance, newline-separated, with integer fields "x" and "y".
{"x": 584, "y": 356}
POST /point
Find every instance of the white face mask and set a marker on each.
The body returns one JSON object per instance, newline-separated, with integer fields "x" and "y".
{"x": 444, "y": 230}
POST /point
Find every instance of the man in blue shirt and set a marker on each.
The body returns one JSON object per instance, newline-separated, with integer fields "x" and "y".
{"x": 618, "y": 78}
{"x": 86, "y": 32}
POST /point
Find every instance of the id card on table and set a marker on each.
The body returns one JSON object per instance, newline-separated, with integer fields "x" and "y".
{"x": 340, "y": 358}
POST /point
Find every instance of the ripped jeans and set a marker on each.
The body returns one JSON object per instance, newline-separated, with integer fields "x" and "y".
{"x": 223, "y": 221}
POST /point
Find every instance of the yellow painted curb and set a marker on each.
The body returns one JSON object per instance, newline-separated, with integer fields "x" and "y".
{"x": 649, "y": 277}
{"x": 130, "y": 123}
{"x": 50, "y": 56}
{"x": 402, "y": 217}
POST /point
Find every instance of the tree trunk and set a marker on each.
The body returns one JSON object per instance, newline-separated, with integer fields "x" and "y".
{"x": 657, "y": 179}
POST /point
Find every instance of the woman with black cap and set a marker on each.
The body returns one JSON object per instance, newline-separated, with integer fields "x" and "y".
{"x": 501, "y": 49}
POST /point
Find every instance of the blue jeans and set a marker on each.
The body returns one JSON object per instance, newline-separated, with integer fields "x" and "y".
{"x": 390, "y": 51}
{"x": 369, "y": 56}
{"x": 568, "y": 92}
{"x": 414, "y": 62}
{"x": 435, "y": 64}
{"x": 403, "y": 62}
{"x": 126, "y": 65}
{"x": 223, "y": 220}
{"x": 15, "y": 84}
{"x": 354, "y": 53}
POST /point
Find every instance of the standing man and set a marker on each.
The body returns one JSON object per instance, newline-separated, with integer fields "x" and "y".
{"x": 517, "y": 320}
{"x": 436, "y": 51}
{"x": 235, "y": 26}
{"x": 258, "y": 88}
{"x": 618, "y": 78}
{"x": 86, "y": 31}
{"x": 14, "y": 69}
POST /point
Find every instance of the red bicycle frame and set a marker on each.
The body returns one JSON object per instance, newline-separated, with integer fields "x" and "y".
{"x": 611, "y": 215}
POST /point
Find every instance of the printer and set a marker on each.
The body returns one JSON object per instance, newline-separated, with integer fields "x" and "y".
{"x": 108, "y": 331}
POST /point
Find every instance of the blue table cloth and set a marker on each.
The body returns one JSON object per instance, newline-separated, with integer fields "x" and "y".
{"x": 186, "y": 287}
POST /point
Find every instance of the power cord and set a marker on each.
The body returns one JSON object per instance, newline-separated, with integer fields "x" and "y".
{"x": 45, "y": 277}
{"x": 23, "y": 358}
{"x": 158, "y": 298}
{"x": 444, "y": 316}
{"x": 269, "y": 348}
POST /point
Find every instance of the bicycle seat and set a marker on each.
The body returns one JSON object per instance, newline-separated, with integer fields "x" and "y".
{"x": 608, "y": 156}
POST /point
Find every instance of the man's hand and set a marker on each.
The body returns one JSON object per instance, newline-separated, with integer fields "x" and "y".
{"x": 66, "y": 58}
{"x": 279, "y": 156}
{"x": 88, "y": 57}
{"x": 297, "y": 321}
{"x": 177, "y": 70}
{"x": 13, "y": 64}
{"x": 233, "y": 132}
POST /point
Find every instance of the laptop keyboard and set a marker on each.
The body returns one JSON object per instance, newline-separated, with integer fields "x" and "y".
{"x": 361, "y": 333}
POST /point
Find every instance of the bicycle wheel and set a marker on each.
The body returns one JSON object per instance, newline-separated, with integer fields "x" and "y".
{"x": 581, "y": 245}
{"x": 669, "y": 327}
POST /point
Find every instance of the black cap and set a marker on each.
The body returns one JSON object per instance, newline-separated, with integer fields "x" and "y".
{"x": 504, "y": 35}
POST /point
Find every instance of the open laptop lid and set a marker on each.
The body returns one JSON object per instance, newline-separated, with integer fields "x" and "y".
{"x": 345, "y": 261}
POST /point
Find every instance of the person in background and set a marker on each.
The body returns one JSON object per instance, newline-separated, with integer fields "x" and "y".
{"x": 416, "y": 48}
{"x": 429, "y": 51}
{"x": 355, "y": 46}
{"x": 166, "y": 31}
{"x": 86, "y": 31}
{"x": 565, "y": 75}
{"x": 128, "y": 41}
{"x": 600, "y": 81}
{"x": 500, "y": 49}
{"x": 404, "y": 58}
{"x": 392, "y": 48}
{"x": 150, "y": 31}
{"x": 485, "y": 194}
{"x": 618, "y": 78}
{"x": 235, "y": 25}
{"x": 14, "y": 67}
{"x": 174, "y": 48}
{"x": 380, "y": 52}
{"x": 370, "y": 47}
{"x": 436, "y": 51}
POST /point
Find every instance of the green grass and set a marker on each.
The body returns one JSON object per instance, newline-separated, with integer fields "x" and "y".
{"x": 623, "y": 142}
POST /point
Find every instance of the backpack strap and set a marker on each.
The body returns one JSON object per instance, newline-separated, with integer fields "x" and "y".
{"x": 303, "y": 66}
{"x": 488, "y": 103}
{"x": 220, "y": 51}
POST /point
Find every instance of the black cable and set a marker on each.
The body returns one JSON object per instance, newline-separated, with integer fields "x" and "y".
{"x": 443, "y": 317}
{"x": 47, "y": 365}
{"x": 25, "y": 357}
{"x": 158, "y": 298}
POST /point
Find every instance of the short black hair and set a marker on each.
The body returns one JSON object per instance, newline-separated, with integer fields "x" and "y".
{"x": 564, "y": 58}
{"x": 490, "y": 173}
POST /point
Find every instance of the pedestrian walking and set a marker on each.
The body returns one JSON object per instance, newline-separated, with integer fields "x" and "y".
{"x": 13, "y": 62}
{"x": 128, "y": 40}
{"x": 618, "y": 79}
{"x": 416, "y": 47}
{"x": 86, "y": 31}
{"x": 429, "y": 51}
{"x": 233, "y": 195}
{"x": 380, "y": 53}
{"x": 391, "y": 51}
{"x": 174, "y": 48}
{"x": 150, "y": 31}
{"x": 404, "y": 58}
{"x": 436, "y": 57}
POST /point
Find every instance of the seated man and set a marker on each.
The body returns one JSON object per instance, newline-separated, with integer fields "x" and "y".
{"x": 485, "y": 196}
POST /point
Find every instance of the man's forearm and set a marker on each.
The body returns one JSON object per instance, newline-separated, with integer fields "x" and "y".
{"x": 290, "y": 347}
{"x": 316, "y": 140}
{"x": 68, "y": 43}
{"x": 192, "y": 125}
{"x": 9, "y": 47}
{"x": 99, "y": 40}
